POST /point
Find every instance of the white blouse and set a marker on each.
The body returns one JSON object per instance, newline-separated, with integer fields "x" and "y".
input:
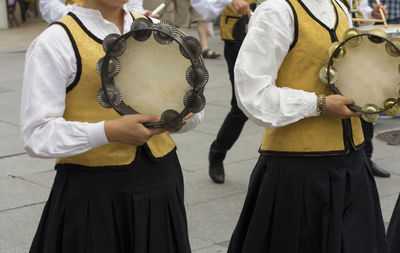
{"x": 271, "y": 32}
{"x": 50, "y": 67}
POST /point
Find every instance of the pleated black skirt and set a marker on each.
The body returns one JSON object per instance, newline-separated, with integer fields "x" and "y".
{"x": 311, "y": 205}
{"x": 393, "y": 232}
{"x": 137, "y": 210}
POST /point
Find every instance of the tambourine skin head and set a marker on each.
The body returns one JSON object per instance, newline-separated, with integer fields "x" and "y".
{"x": 338, "y": 54}
{"x": 370, "y": 112}
{"x": 323, "y": 75}
{"x": 350, "y": 34}
{"x": 394, "y": 107}
{"x": 393, "y": 50}
{"x": 379, "y": 35}
{"x": 141, "y": 29}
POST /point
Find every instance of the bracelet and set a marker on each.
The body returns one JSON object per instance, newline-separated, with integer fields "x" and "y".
{"x": 321, "y": 105}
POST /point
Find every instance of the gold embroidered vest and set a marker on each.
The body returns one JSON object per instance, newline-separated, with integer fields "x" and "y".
{"x": 300, "y": 70}
{"x": 229, "y": 17}
{"x": 81, "y": 102}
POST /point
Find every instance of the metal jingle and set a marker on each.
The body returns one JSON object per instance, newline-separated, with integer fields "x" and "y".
{"x": 393, "y": 50}
{"x": 195, "y": 102}
{"x": 397, "y": 90}
{"x": 113, "y": 93}
{"x": 394, "y": 107}
{"x": 113, "y": 67}
{"x": 144, "y": 25}
{"x": 350, "y": 34}
{"x": 118, "y": 49}
{"x": 370, "y": 112}
{"x": 165, "y": 32}
{"x": 192, "y": 45}
{"x": 379, "y": 35}
{"x": 201, "y": 76}
{"x": 333, "y": 75}
{"x": 172, "y": 122}
{"x": 339, "y": 54}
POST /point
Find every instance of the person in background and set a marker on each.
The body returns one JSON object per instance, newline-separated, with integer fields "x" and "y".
{"x": 235, "y": 119}
{"x": 184, "y": 12}
{"x": 391, "y": 9}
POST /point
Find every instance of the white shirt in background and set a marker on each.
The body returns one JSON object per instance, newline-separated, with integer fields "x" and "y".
{"x": 50, "y": 67}
{"x": 209, "y": 9}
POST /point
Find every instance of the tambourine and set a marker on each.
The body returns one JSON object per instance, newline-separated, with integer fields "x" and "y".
{"x": 365, "y": 67}
{"x": 154, "y": 69}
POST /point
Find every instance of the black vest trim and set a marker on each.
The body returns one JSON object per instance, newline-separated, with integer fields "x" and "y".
{"x": 89, "y": 33}
{"x": 77, "y": 55}
{"x": 332, "y": 32}
{"x": 296, "y": 26}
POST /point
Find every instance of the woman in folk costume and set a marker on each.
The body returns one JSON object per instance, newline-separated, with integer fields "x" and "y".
{"x": 311, "y": 190}
{"x": 118, "y": 186}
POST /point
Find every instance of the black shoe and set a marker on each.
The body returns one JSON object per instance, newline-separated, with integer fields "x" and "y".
{"x": 378, "y": 171}
{"x": 216, "y": 171}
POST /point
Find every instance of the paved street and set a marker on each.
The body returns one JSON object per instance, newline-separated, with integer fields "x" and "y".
{"x": 212, "y": 209}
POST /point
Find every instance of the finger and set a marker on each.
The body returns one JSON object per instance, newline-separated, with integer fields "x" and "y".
{"x": 148, "y": 118}
{"x": 349, "y": 113}
{"x": 157, "y": 130}
{"x": 188, "y": 116}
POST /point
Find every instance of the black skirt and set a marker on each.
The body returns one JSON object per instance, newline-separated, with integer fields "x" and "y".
{"x": 393, "y": 233}
{"x": 135, "y": 210}
{"x": 311, "y": 205}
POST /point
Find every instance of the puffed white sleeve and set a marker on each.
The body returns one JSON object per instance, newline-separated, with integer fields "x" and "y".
{"x": 270, "y": 35}
{"x": 50, "y": 66}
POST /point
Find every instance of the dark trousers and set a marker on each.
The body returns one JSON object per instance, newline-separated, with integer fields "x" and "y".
{"x": 368, "y": 130}
{"x": 235, "y": 120}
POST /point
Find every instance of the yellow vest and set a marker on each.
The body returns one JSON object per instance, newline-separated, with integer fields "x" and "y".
{"x": 229, "y": 17}
{"x": 79, "y": 2}
{"x": 300, "y": 70}
{"x": 81, "y": 103}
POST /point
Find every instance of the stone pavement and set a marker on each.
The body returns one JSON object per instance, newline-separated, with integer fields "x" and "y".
{"x": 212, "y": 209}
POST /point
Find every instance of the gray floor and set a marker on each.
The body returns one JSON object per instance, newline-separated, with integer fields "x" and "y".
{"x": 212, "y": 209}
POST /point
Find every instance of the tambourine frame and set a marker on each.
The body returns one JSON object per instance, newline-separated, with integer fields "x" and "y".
{"x": 122, "y": 108}
{"x": 335, "y": 90}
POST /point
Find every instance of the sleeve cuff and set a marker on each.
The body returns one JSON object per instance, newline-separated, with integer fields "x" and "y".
{"x": 96, "y": 134}
{"x": 310, "y": 104}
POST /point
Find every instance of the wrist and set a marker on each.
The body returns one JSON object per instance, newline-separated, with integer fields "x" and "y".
{"x": 110, "y": 130}
{"x": 321, "y": 105}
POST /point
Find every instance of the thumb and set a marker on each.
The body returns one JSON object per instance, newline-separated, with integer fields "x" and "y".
{"x": 348, "y": 101}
